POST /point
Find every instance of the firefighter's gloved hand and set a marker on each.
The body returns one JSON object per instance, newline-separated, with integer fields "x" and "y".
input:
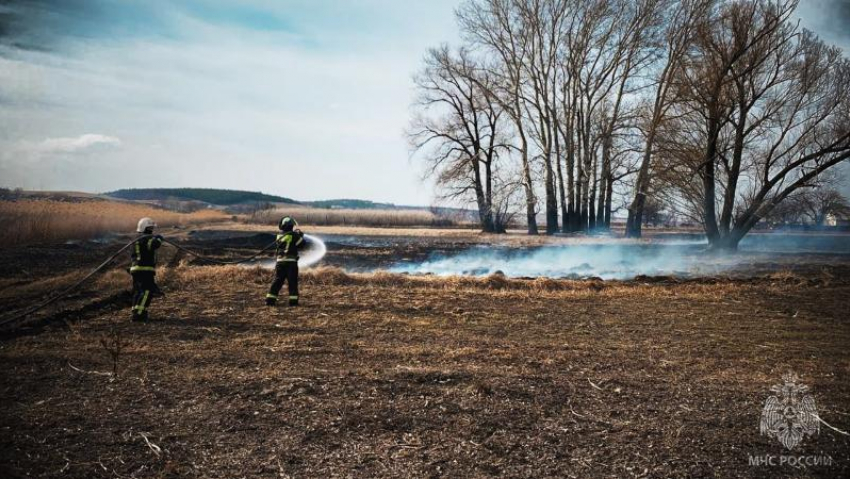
{"x": 158, "y": 237}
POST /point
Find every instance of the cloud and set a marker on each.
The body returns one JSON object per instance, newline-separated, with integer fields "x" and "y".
{"x": 309, "y": 99}
{"x": 71, "y": 145}
{"x": 828, "y": 19}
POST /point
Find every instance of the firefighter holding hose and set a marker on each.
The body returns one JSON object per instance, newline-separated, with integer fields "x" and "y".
{"x": 289, "y": 242}
{"x": 143, "y": 268}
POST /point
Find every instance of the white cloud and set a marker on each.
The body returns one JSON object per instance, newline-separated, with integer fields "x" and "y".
{"x": 218, "y": 106}
{"x": 71, "y": 145}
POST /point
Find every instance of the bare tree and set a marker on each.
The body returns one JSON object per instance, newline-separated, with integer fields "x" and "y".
{"x": 498, "y": 28}
{"x": 717, "y": 109}
{"x": 545, "y": 22}
{"x": 774, "y": 102}
{"x": 681, "y": 19}
{"x": 460, "y": 128}
{"x": 813, "y": 206}
{"x": 817, "y": 203}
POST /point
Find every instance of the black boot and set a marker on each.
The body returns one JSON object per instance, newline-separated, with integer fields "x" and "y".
{"x": 140, "y": 318}
{"x": 271, "y": 300}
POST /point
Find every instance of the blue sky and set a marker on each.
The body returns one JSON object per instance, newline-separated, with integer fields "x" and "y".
{"x": 304, "y": 98}
{"x": 307, "y": 99}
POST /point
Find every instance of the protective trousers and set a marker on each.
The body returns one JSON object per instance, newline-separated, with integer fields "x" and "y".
{"x": 144, "y": 288}
{"x": 285, "y": 271}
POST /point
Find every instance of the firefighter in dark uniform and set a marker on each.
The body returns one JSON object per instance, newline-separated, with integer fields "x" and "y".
{"x": 143, "y": 269}
{"x": 289, "y": 242}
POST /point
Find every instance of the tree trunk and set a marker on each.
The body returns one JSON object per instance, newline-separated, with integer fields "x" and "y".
{"x": 488, "y": 197}
{"x": 569, "y": 220}
{"x": 551, "y": 199}
{"x": 604, "y": 176}
{"x": 561, "y": 192}
{"x": 579, "y": 188}
{"x": 735, "y": 168}
{"x": 484, "y": 218}
{"x": 591, "y": 197}
{"x": 709, "y": 185}
{"x": 635, "y": 219}
{"x": 530, "y": 200}
{"x": 609, "y": 193}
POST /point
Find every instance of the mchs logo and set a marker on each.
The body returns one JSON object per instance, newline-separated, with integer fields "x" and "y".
{"x": 790, "y": 414}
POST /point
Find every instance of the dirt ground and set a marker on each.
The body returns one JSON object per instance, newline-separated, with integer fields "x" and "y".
{"x": 380, "y": 375}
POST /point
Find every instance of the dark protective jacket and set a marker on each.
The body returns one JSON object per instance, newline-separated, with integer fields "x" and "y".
{"x": 288, "y": 245}
{"x": 143, "y": 254}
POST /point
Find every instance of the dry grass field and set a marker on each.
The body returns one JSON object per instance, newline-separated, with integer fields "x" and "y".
{"x": 28, "y": 221}
{"x": 376, "y": 218}
{"x": 383, "y": 375}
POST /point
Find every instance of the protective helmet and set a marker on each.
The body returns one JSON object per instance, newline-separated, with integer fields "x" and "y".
{"x": 144, "y": 224}
{"x": 287, "y": 223}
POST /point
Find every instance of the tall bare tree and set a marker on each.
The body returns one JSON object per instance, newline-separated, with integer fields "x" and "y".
{"x": 680, "y": 21}
{"x": 718, "y": 109}
{"x": 775, "y": 102}
{"x": 498, "y": 28}
{"x": 461, "y": 129}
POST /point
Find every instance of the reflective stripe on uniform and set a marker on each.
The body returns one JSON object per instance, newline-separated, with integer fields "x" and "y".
{"x": 141, "y": 307}
{"x": 293, "y": 297}
{"x": 271, "y": 296}
{"x": 133, "y": 269}
{"x": 287, "y": 260}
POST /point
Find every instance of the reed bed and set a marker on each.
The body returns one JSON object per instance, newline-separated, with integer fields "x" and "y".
{"x": 351, "y": 217}
{"x": 31, "y": 221}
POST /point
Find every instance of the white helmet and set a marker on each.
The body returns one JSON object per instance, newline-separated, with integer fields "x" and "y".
{"x": 144, "y": 224}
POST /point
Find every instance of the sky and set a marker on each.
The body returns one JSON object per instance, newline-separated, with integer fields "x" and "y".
{"x": 307, "y": 99}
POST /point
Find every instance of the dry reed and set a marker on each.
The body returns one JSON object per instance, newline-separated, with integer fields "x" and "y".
{"x": 351, "y": 217}
{"x": 47, "y": 221}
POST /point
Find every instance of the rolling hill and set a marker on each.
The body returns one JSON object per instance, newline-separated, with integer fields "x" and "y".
{"x": 206, "y": 195}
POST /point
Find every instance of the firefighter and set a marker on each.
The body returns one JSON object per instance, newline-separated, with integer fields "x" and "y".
{"x": 289, "y": 242}
{"x": 143, "y": 268}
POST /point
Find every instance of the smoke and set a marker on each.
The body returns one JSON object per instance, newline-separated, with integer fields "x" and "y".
{"x": 685, "y": 257}
{"x": 606, "y": 261}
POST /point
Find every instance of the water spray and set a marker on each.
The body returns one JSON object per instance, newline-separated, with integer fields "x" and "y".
{"x": 314, "y": 252}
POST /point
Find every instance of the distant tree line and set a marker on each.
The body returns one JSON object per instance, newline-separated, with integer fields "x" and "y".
{"x": 206, "y": 195}
{"x": 720, "y": 109}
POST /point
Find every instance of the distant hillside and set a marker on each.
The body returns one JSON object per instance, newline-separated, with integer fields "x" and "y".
{"x": 206, "y": 195}
{"x": 238, "y": 201}
{"x": 350, "y": 204}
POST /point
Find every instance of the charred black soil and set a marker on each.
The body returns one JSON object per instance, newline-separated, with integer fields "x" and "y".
{"x": 381, "y": 375}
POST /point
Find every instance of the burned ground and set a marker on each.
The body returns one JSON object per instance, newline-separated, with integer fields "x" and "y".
{"x": 390, "y": 375}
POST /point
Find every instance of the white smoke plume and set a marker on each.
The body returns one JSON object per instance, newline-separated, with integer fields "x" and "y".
{"x": 604, "y": 261}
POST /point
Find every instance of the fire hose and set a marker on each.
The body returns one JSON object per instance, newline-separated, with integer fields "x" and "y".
{"x": 20, "y": 316}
